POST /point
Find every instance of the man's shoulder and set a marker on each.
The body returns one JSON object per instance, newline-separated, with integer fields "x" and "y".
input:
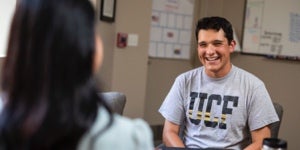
{"x": 190, "y": 73}
{"x": 247, "y": 75}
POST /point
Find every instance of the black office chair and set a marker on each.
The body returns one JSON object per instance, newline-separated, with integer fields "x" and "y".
{"x": 274, "y": 126}
{"x": 115, "y": 100}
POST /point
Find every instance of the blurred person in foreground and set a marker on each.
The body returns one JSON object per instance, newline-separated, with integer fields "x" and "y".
{"x": 219, "y": 104}
{"x": 50, "y": 99}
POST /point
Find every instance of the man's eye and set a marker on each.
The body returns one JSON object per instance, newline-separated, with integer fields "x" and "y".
{"x": 202, "y": 45}
{"x": 217, "y": 44}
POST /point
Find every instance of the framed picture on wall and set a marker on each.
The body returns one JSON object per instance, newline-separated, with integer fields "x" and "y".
{"x": 108, "y": 10}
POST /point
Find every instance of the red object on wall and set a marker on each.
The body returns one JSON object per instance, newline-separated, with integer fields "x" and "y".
{"x": 122, "y": 40}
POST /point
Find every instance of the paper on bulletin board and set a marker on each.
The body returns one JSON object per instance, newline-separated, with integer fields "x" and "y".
{"x": 7, "y": 8}
{"x": 171, "y": 29}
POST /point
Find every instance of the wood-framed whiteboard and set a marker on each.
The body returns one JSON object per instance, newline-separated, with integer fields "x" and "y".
{"x": 272, "y": 27}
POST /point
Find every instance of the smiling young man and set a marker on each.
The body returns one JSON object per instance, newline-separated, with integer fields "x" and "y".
{"x": 219, "y": 104}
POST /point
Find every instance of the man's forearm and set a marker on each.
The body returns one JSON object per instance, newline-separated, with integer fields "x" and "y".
{"x": 172, "y": 140}
{"x": 258, "y": 137}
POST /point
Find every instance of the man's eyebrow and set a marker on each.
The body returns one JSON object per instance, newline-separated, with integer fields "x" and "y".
{"x": 218, "y": 41}
{"x": 214, "y": 41}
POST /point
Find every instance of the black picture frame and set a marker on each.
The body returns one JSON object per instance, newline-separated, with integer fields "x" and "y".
{"x": 108, "y": 10}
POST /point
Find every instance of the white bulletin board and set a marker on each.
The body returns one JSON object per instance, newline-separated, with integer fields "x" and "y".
{"x": 272, "y": 27}
{"x": 171, "y": 29}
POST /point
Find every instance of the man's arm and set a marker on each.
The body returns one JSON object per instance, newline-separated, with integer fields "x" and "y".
{"x": 171, "y": 135}
{"x": 257, "y": 138}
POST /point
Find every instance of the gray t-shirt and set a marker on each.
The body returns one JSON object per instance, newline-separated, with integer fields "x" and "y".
{"x": 218, "y": 112}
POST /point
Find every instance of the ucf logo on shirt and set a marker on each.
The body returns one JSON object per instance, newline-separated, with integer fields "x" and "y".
{"x": 204, "y": 114}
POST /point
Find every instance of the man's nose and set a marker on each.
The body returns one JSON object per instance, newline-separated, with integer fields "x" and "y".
{"x": 210, "y": 49}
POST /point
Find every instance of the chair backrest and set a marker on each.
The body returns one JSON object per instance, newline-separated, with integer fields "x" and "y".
{"x": 276, "y": 125}
{"x": 115, "y": 100}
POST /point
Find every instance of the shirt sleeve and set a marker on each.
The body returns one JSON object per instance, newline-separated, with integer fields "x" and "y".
{"x": 123, "y": 134}
{"x": 172, "y": 109}
{"x": 142, "y": 135}
{"x": 262, "y": 111}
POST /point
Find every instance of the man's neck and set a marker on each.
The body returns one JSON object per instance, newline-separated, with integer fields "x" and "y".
{"x": 219, "y": 74}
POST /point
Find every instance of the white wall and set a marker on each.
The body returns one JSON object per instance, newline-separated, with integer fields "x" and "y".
{"x": 7, "y": 8}
{"x": 130, "y": 63}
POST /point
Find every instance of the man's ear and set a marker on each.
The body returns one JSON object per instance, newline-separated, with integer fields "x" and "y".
{"x": 232, "y": 45}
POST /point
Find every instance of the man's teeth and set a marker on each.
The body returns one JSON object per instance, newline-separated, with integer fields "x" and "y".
{"x": 211, "y": 58}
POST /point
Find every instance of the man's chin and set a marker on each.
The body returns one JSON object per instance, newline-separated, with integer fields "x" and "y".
{"x": 211, "y": 68}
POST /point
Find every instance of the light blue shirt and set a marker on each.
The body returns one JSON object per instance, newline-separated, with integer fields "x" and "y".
{"x": 123, "y": 134}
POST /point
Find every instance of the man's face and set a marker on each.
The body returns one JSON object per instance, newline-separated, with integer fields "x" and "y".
{"x": 214, "y": 52}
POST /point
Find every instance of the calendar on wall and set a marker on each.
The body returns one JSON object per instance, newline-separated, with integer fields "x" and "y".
{"x": 171, "y": 29}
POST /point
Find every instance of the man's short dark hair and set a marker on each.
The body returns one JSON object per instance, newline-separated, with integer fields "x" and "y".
{"x": 215, "y": 23}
